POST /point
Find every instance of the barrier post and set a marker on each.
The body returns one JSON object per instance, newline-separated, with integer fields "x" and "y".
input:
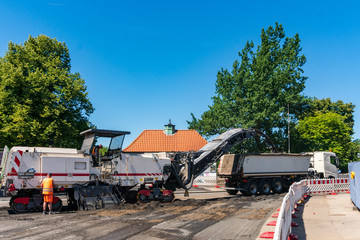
{"x": 333, "y": 187}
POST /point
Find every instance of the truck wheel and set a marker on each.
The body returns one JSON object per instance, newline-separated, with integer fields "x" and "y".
{"x": 232, "y": 192}
{"x": 169, "y": 198}
{"x": 57, "y": 206}
{"x": 278, "y": 186}
{"x": 265, "y": 187}
{"x": 253, "y": 188}
{"x": 18, "y": 207}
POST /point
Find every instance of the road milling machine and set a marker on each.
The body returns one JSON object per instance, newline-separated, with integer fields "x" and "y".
{"x": 92, "y": 180}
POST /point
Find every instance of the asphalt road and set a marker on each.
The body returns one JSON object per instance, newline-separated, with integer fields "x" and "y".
{"x": 208, "y": 213}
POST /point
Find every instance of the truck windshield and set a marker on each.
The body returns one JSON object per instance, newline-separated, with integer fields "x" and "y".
{"x": 116, "y": 142}
{"x": 334, "y": 160}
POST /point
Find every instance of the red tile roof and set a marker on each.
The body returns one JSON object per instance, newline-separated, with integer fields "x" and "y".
{"x": 158, "y": 141}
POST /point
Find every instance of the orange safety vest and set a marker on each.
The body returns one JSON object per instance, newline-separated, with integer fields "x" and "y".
{"x": 48, "y": 185}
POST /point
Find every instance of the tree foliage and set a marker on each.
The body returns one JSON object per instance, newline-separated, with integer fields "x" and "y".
{"x": 326, "y": 105}
{"x": 259, "y": 89}
{"x": 351, "y": 154}
{"x": 313, "y": 107}
{"x": 41, "y": 101}
{"x": 327, "y": 132}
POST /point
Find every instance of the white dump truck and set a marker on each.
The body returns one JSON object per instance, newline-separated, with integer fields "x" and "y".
{"x": 252, "y": 174}
{"x": 323, "y": 165}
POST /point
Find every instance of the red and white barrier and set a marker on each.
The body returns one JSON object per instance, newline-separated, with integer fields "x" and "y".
{"x": 328, "y": 185}
{"x": 297, "y": 191}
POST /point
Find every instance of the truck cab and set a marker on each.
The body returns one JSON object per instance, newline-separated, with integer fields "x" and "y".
{"x": 324, "y": 165}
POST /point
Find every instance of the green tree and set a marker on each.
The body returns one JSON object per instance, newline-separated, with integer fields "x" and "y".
{"x": 259, "y": 89}
{"x": 41, "y": 101}
{"x": 354, "y": 149}
{"x": 327, "y": 132}
{"x": 326, "y": 105}
{"x": 313, "y": 106}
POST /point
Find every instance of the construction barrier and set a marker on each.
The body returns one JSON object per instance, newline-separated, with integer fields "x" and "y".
{"x": 328, "y": 185}
{"x": 283, "y": 224}
{"x": 354, "y": 179}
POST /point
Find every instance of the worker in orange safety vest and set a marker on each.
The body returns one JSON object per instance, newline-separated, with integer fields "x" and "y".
{"x": 48, "y": 192}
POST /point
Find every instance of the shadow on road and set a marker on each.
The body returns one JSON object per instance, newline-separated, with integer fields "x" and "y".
{"x": 300, "y": 229}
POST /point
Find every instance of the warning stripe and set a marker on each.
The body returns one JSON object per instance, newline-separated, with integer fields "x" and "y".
{"x": 16, "y": 162}
{"x": 319, "y": 182}
{"x": 137, "y": 174}
{"x": 56, "y": 174}
{"x": 84, "y": 174}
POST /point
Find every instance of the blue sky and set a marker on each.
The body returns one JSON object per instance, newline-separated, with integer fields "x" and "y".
{"x": 147, "y": 61}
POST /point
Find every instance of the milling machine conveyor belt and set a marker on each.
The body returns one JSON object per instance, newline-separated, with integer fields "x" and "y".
{"x": 212, "y": 151}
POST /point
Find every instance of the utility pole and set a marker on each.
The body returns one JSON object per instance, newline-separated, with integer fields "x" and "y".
{"x": 288, "y": 128}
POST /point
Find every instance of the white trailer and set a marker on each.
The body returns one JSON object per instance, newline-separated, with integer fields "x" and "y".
{"x": 324, "y": 165}
{"x": 253, "y": 173}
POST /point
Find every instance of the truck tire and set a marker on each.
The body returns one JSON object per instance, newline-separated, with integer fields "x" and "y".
{"x": 265, "y": 187}
{"x": 278, "y": 186}
{"x": 252, "y": 188}
{"x": 18, "y": 207}
{"x": 232, "y": 192}
{"x": 57, "y": 206}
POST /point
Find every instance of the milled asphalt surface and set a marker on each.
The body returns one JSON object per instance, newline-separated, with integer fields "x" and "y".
{"x": 209, "y": 213}
{"x": 324, "y": 217}
{"x": 320, "y": 217}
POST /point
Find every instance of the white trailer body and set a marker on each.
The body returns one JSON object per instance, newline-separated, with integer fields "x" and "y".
{"x": 26, "y": 167}
{"x": 274, "y": 164}
{"x": 324, "y": 164}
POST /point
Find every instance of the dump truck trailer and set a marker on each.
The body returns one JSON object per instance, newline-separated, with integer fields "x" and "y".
{"x": 253, "y": 174}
